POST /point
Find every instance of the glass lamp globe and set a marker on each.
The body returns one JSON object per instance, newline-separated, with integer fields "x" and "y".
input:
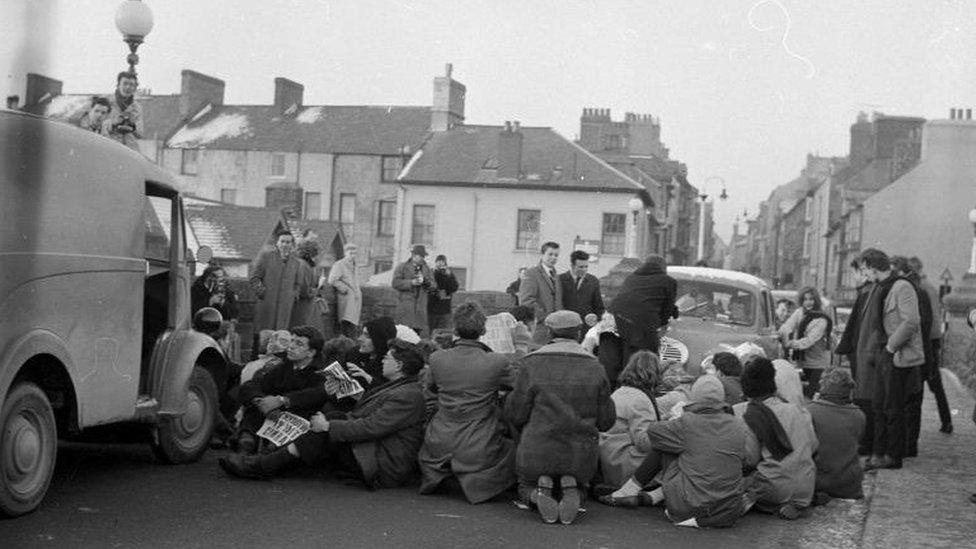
{"x": 134, "y": 18}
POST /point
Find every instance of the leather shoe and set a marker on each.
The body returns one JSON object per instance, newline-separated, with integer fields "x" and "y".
{"x": 946, "y": 428}
{"x": 569, "y": 503}
{"x": 884, "y": 462}
{"x": 548, "y": 508}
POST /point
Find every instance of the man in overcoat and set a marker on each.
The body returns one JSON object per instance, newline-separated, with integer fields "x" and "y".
{"x": 274, "y": 278}
{"x": 349, "y": 296}
{"x": 413, "y": 281}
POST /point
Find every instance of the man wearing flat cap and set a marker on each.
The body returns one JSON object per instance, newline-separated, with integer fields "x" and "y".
{"x": 413, "y": 281}
{"x": 560, "y": 402}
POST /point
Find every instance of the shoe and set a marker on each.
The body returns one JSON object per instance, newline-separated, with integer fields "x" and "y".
{"x": 569, "y": 503}
{"x": 260, "y": 467}
{"x": 548, "y": 508}
{"x": 247, "y": 443}
{"x": 820, "y": 498}
{"x": 884, "y": 462}
{"x": 788, "y": 512}
{"x": 642, "y": 499}
{"x": 946, "y": 428}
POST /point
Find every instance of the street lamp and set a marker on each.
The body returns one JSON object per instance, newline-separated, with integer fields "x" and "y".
{"x": 636, "y": 205}
{"x": 701, "y": 213}
{"x": 134, "y": 20}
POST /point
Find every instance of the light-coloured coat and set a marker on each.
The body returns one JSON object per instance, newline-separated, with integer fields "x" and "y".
{"x": 134, "y": 113}
{"x": 276, "y": 283}
{"x": 626, "y": 444}
{"x": 902, "y": 324}
{"x": 349, "y": 296}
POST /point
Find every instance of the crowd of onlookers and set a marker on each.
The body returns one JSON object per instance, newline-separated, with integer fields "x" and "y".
{"x": 559, "y": 419}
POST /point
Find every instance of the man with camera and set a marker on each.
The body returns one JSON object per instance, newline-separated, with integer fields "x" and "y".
{"x": 413, "y": 281}
{"x": 124, "y": 122}
{"x": 210, "y": 290}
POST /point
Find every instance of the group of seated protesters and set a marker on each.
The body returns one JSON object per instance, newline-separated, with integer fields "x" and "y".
{"x": 547, "y": 422}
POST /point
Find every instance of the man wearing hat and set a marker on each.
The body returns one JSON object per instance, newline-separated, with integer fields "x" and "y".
{"x": 413, "y": 281}
{"x": 560, "y": 403}
{"x": 349, "y": 297}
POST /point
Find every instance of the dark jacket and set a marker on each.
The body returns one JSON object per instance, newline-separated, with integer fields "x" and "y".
{"x": 411, "y": 308}
{"x": 584, "y": 300}
{"x": 200, "y": 298}
{"x": 839, "y": 427}
{"x": 386, "y": 429}
{"x": 446, "y": 282}
{"x": 561, "y": 402}
{"x": 848, "y": 341}
{"x": 644, "y": 304}
{"x": 303, "y": 388}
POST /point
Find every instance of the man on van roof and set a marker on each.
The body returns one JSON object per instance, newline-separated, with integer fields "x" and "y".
{"x": 124, "y": 122}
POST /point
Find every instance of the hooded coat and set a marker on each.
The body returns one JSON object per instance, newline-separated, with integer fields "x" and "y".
{"x": 705, "y": 480}
{"x": 465, "y": 438}
{"x": 560, "y": 402}
{"x": 644, "y": 304}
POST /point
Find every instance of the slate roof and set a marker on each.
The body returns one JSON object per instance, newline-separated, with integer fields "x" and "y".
{"x": 239, "y": 233}
{"x": 378, "y": 130}
{"x": 468, "y": 156}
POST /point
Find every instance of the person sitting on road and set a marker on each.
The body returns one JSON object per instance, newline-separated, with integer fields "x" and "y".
{"x": 697, "y": 461}
{"x": 626, "y": 444}
{"x": 376, "y": 442}
{"x": 839, "y": 425}
{"x": 780, "y": 443}
{"x": 465, "y": 439}
{"x": 806, "y": 336}
{"x": 728, "y": 370}
{"x": 561, "y": 401}
{"x": 273, "y": 346}
{"x": 373, "y": 341}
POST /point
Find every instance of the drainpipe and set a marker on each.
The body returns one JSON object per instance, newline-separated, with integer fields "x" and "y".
{"x": 399, "y": 230}
{"x": 474, "y": 243}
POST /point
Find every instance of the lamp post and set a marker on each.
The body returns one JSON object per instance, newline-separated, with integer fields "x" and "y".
{"x": 701, "y": 213}
{"x": 134, "y": 20}
{"x": 635, "y": 205}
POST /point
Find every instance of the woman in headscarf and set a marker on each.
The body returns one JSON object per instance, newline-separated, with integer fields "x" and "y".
{"x": 697, "y": 459}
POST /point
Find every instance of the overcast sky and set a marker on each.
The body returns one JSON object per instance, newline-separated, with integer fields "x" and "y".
{"x": 744, "y": 89}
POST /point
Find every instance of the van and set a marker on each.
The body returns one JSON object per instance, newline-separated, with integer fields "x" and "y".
{"x": 94, "y": 304}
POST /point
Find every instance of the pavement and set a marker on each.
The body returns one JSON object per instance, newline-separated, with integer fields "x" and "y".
{"x": 118, "y": 496}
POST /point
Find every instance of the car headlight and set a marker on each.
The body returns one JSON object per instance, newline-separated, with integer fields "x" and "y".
{"x": 673, "y": 351}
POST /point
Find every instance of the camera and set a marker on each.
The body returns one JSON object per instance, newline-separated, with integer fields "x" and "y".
{"x": 124, "y": 125}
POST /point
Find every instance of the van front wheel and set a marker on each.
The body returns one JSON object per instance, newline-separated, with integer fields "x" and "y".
{"x": 184, "y": 438}
{"x": 28, "y": 447}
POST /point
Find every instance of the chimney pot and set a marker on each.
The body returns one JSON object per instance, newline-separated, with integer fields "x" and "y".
{"x": 448, "y": 69}
{"x": 516, "y": 125}
{"x": 969, "y": 114}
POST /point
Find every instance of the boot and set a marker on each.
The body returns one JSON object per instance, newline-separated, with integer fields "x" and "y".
{"x": 262, "y": 466}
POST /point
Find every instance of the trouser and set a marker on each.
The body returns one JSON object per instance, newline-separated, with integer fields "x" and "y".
{"x": 812, "y": 376}
{"x": 610, "y": 353}
{"x": 653, "y": 464}
{"x": 441, "y": 321}
{"x": 913, "y": 422}
{"x": 348, "y": 329}
{"x": 316, "y": 448}
{"x": 890, "y": 400}
{"x": 866, "y": 444}
{"x": 933, "y": 377}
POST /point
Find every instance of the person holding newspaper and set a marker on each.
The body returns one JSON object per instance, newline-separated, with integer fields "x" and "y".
{"x": 376, "y": 442}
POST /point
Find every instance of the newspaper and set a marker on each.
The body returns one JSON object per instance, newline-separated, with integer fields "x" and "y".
{"x": 338, "y": 383}
{"x": 285, "y": 429}
{"x": 498, "y": 333}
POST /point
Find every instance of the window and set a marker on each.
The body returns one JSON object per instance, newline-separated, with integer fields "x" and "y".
{"x": 228, "y": 196}
{"x": 614, "y": 227}
{"x": 391, "y": 168}
{"x": 423, "y": 225}
{"x": 188, "y": 165}
{"x": 527, "y": 230}
{"x": 277, "y": 164}
{"x": 385, "y": 217}
{"x": 157, "y": 216}
{"x": 347, "y": 212}
{"x": 313, "y": 205}
{"x": 382, "y": 265}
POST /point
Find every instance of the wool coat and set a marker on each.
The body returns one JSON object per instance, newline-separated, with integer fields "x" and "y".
{"x": 349, "y": 296}
{"x": 624, "y": 447}
{"x": 791, "y": 479}
{"x": 839, "y": 427}
{"x": 466, "y": 437}
{"x": 385, "y": 429}
{"x": 276, "y": 283}
{"x": 560, "y": 402}
{"x": 411, "y": 308}
{"x": 705, "y": 481}
{"x": 302, "y": 310}
{"x": 544, "y": 294}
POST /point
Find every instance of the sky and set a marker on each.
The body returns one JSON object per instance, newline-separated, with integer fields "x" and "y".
{"x": 744, "y": 89}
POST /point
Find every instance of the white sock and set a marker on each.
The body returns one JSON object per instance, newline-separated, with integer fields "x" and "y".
{"x": 692, "y": 522}
{"x": 630, "y": 488}
{"x": 293, "y": 450}
{"x": 657, "y": 495}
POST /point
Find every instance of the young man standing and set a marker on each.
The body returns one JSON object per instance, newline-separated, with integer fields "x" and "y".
{"x": 898, "y": 359}
{"x": 349, "y": 296}
{"x": 541, "y": 290}
{"x": 581, "y": 290}
{"x": 124, "y": 122}
{"x": 439, "y": 302}
{"x": 274, "y": 278}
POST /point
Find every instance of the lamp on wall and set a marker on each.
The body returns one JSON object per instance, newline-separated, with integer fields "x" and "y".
{"x": 134, "y": 20}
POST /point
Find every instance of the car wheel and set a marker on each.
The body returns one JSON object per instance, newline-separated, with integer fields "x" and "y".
{"x": 184, "y": 438}
{"x": 28, "y": 448}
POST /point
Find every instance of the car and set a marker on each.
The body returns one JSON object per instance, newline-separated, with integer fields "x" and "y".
{"x": 718, "y": 309}
{"x": 95, "y": 292}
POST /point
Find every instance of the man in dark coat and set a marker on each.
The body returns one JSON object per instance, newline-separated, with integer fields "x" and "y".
{"x": 439, "y": 302}
{"x": 560, "y": 403}
{"x": 644, "y": 304}
{"x": 849, "y": 345}
{"x": 210, "y": 290}
{"x": 581, "y": 290}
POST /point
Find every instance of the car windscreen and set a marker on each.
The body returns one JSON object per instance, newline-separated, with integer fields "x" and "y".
{"x": 716, "y": 301}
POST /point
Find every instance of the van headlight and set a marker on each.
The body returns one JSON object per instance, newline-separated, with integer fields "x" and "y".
{"x": 673, "y": 351}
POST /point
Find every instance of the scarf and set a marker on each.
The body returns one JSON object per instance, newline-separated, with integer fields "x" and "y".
{"x": 762, "y": 421}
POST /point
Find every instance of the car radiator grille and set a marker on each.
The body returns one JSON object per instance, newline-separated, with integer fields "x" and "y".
{"x": 673, "y": 351}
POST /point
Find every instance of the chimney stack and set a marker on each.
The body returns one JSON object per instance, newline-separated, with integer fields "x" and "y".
{"x": 197, "y": 90}
{"x": 40, "y": 89}
{"x": 447, "y": 109}
{"x": 287, "y": 93}
{"x": 510, "y": 151}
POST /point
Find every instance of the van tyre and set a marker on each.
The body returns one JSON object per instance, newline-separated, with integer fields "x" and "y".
{"x": 28, "y": 448}
{"x": 184, "y": 438}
